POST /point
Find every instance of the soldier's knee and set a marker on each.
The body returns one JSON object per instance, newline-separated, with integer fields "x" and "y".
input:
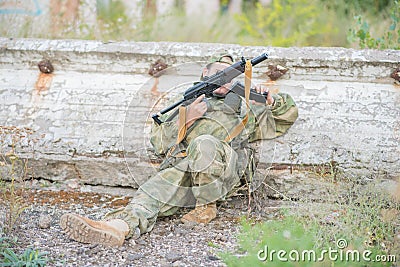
{"x": 202, "y": 143}
{"x": 205, "y": 137}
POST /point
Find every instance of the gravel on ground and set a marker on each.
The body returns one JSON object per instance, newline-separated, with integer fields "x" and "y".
{"x": 171, "y": 243}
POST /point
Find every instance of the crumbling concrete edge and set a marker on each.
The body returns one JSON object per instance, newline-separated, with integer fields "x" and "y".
{"x": 134, "y": 57}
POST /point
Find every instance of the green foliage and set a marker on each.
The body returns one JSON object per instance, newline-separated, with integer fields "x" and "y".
{"x": 258, "y": 239}
{"x": 211, "y": 244}
{"x": 349, "y": 6}
{"x": 112, "y": 13}
{"x": 366, "y": 217}
{"x": 29, "y": 257}
{"x": 6, "y": 242}
{"x": 261, "y": 243}
{"x": 178, "y": 27}
{"x": 389, "y": 40}
{"x": 112, "y": 18}
{"x": 283, "y": 23}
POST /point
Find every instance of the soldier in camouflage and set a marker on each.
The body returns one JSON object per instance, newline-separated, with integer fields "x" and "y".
{"x": 202, "y": 168}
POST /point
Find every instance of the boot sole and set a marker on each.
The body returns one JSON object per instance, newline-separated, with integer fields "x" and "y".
{"x": 76, "y": 228}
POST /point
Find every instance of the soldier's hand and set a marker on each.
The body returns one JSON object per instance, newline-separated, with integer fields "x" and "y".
{"x": 262, "y": 89}
{"x": 195, "y": 110}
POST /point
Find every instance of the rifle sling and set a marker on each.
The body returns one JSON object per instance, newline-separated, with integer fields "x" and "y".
{"x": 247, "y": 83}
{"x": 182, "y": 131}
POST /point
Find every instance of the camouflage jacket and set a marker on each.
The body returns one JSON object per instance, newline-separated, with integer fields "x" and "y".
{"x": 264, "y": 122}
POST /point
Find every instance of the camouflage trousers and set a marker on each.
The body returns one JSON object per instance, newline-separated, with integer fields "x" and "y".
{"x": 207, "y": 174}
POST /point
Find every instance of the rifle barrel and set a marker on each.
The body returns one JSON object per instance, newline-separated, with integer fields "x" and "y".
{"x": 259, "y": 59}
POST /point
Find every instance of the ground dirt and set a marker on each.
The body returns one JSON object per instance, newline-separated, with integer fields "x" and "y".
{"x": 171, "y": 243}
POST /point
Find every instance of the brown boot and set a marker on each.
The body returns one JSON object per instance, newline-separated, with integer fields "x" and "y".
{"x": 201, "y": 214}
{"x": 81, "y": 229}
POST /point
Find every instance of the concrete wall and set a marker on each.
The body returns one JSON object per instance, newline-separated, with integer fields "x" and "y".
{"x": 91, "y": 122}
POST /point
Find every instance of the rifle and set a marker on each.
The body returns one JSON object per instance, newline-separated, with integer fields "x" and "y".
{"x": 209, "y": 84}
{"x": 238, "y": 88}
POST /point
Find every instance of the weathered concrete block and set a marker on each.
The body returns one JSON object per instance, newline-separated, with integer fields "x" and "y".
{"x": 92, "y": 121}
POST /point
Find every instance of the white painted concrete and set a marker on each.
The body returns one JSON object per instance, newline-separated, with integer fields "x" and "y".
{"x": 94, "y": 117}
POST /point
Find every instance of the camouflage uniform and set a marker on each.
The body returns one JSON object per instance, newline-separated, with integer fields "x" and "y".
{"x": 212, "y": 167}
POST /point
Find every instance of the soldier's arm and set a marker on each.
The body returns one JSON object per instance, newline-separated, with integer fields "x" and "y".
{"x": 267, "y": 122}
{"x": 163, "y": 136}
{"x": 285, "y": 112}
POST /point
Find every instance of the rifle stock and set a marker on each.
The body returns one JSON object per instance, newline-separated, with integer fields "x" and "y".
{"x": 209, "y": 84}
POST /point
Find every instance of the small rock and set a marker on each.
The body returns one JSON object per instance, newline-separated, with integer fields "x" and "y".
{"x": 94, "y": 250}
{"x": 132, "y": 242}
{"x": 181, "y": 231}
{"x": 134, "y": 256}
{"x": 141, "y": 242}
{"x": 163, "y": 263}
{"x": 223, "y": 238}
{"x": 72, "y": 184}
{"x": 172, "y": 257}
{"x": 177, "y": 263}
{"x": 45, "y": 221}
{"x": 188, "y": 225}
{"x": 213, "y": 258}
{"x": 159, "y": 231}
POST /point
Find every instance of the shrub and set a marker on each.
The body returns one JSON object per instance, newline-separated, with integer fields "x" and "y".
{"x": 389, "y": 40}
{"x": 13, "y": 170}
{"x": 284, "y": 23}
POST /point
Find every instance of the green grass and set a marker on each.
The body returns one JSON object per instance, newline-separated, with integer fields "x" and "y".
{"x": 365, "y": 218}
{"x": 10, "y": 257}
